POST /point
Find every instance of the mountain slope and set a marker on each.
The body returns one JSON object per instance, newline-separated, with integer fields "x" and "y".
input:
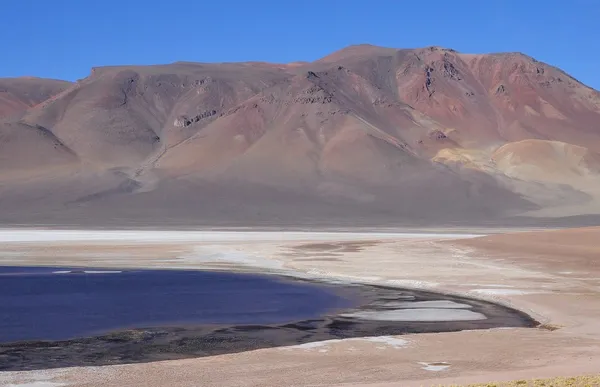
{"x": 118, "y": 116}
{"x": 25, "y": 148}
{"x": 424, "y": 133}
{"x": 19, "y": 94}
{"x": 485, "y": 99}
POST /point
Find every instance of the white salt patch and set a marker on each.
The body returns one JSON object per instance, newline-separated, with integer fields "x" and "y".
{"x": 41, "y": 378}
{"x": 207, "y": 255}
{"x": 411, "y": 283}
{"x": 331, "y": 276}
{"x": 423, "y": 315}
{"x": 390, "y": 341}
{"x": 500, "y": 292}
{"x": 331, "y": 281}
{"x": 37, "y": 384}
{"x": 88, "y": 271}
{"x": 313, "y": 345}
{"x": 436, "y": 304}
{"x": 29, "y": 235}
{"x": 492, "y": 285}
{"x": 435, "y": 367}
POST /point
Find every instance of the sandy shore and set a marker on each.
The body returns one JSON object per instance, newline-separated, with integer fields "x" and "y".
{"x": 554, "y": 276}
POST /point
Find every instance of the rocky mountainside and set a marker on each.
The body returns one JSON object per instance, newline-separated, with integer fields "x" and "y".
{"x": 392, "y": 136}
{"x": 19, "y": 94}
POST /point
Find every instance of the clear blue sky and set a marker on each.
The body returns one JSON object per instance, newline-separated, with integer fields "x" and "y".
{"x": 65, "y": 38}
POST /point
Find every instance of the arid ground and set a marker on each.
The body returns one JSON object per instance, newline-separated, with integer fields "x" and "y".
{"x": 552, "y": 275}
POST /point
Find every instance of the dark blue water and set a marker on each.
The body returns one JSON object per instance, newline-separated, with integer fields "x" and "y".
{"x": 38, "y": 304}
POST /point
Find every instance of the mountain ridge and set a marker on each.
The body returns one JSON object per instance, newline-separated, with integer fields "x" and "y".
{"x": 395, "y": 128}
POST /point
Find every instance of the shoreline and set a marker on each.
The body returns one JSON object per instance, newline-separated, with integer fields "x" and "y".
{"x": 330, "y": 279}
{"x": 564, "y": 297}
{"x": 259, "y": 268}
{"x": 172, "y": 342}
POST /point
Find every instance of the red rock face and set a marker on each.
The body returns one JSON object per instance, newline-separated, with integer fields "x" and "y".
{"x": 408, "y": 130}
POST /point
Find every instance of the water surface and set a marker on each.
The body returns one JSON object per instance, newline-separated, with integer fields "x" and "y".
{"x": 57, "y": 303}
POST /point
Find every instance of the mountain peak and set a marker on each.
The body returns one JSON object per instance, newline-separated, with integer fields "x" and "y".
{"x": 365, "y": 130}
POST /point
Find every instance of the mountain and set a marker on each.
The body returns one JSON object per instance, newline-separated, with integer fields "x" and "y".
{"x": 19, "y": 94}
{"x": 367, "y": 134}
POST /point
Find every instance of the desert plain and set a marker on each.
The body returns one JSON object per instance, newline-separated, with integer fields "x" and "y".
{"x": 553, "y": 275}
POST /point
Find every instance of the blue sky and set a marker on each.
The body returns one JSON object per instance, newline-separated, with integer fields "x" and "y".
{"x": 65, "y": 38}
